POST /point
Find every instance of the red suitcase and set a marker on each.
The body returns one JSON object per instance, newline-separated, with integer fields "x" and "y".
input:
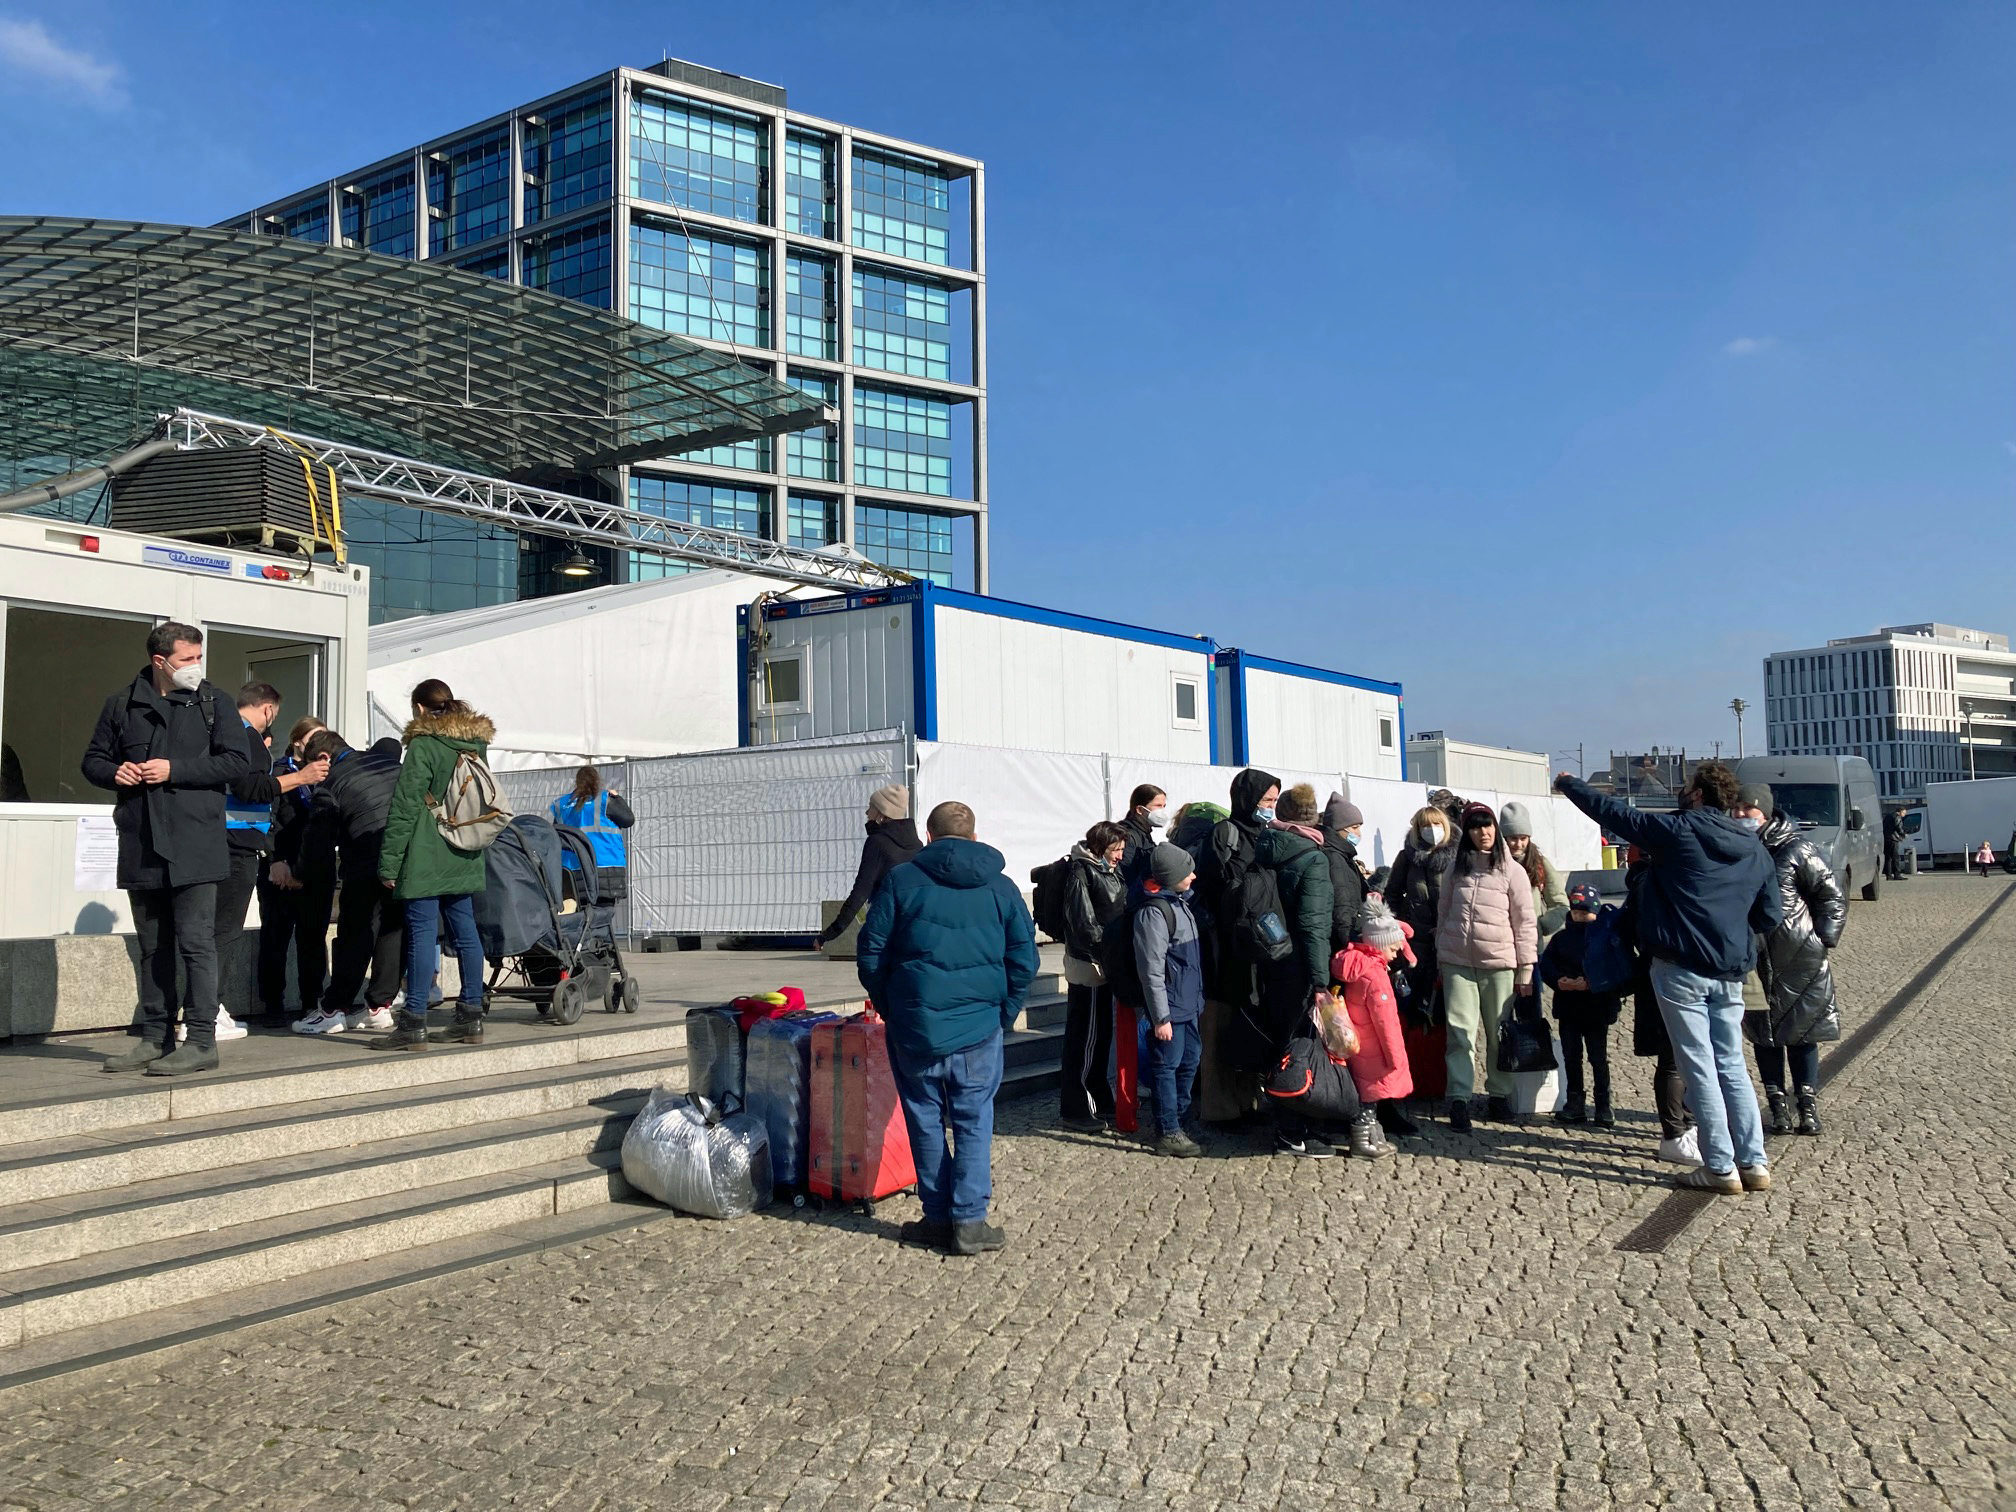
{"x": 1427, "y": 1059}
{"x": 859, "y": 1146}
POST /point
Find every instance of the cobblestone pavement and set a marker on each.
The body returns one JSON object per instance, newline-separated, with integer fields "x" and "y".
{"x": 1452, "y": 1328}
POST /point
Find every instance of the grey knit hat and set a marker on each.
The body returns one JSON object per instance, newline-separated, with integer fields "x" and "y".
{"x": 1340, "y": 814}
{"x": 1170, "y": 865}
{"x": 1378, "y": 928}
{"x": 1756, "y": 795}
{"x": 1514, "y": 821}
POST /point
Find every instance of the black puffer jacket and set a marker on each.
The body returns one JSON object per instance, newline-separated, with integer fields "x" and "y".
{"x": 1414, "y": 893}
{"x": 1142, "y": 839}
{"x": 1095, "y": 894}
{"x": 1347, "y": 889}
{"x": 1792, "y": 959}
{"x": 348, "y": 813}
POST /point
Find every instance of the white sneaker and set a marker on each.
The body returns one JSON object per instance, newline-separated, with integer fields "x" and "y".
{"x": 379, "y": 1020}
{"x": 1686, "y": 1150}
{"x": 229, "y": 1028}
{"x": 319, "y": 1022}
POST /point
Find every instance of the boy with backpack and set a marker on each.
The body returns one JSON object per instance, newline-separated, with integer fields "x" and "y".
{"x": 1169, "y": 958}
{"x": 1584, "y": 1008}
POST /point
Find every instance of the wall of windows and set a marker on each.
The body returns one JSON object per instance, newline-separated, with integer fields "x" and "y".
{"x": 812, "y": 520}
{"x": 719, "y": 506}
{"x": 307, "y": 221}
{"x": 814, "y": 453}
{"x": 424, "y": 563}
{"x": 909, "y": 540}
{"x": 468, "y": 183}
{"x": 378, "y": 216}
{"x": 699, "y": 286}
{"x": 905, "y": 440}
{"x": 810, "y": 194}
{"x": 903, "y": 325}
{"x": 496, "y": 264}
{"x": 903, "y": 206}
{"x": 574, "y": 264}
{"x": 811, "y": 307}
{"x": 571, "y": 157}
{"x": 687, "y": 154}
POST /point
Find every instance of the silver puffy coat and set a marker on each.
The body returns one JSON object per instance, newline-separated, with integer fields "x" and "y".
{"x": 1792, "y": 960}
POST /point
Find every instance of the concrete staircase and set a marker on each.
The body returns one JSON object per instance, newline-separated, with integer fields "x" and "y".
{"x": 139, "y": 1213}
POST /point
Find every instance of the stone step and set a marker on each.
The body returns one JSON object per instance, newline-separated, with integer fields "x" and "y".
{"x": 261, "y": 1302}
{"x": 41, "y": 1233}
{"x": 89, "y": 1163}
{"x": 348, "y": 1236}
{"x": 284, "y": 1071}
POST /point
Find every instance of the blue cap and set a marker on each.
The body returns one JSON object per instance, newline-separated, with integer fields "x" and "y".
{"x": 1585, "y": 895}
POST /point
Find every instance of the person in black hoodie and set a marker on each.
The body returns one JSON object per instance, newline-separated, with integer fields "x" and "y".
{"x": 1349, "y": 876}
{"x": 169, "y": 746}
{"x": 1095, "y": 895}
{"x": 1710, "y": 892}
{"x": 344, "y": 833}
{"x": 1143, "y": 826}
{"x": 295, "y": 903}
{"x": 892, "y": 840}
{"x": 1585, "y": 1017}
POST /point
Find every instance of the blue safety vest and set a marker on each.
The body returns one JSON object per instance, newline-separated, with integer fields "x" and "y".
{"x": 592, "y": 819}
{"x": 240, "y": 815}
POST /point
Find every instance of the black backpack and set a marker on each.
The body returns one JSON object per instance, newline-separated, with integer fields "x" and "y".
{"x": 1116, "y": 951}
{"x": 1048, "y": 907}
{"x": 1253, "y": 922}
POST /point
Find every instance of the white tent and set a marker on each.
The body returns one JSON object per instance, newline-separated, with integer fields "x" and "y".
{"x": 639, "y": 669}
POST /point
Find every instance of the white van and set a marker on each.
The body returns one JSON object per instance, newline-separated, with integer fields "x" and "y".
{"x": 1832, "y": 798}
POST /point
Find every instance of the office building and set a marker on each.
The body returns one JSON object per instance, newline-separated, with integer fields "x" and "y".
{"x": 847, "y": 263}
{"x": 1922, "y": 703}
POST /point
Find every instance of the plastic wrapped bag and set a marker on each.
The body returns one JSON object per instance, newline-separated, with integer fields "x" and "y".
{"x": 684, "y": 1152}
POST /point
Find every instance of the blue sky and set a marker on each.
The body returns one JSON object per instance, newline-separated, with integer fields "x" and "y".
{"x": 1558, "y": 361}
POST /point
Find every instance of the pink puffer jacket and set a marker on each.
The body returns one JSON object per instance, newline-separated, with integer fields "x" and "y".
{"x": 1486, "y": 921}
{"x": 1380, "y": 1067}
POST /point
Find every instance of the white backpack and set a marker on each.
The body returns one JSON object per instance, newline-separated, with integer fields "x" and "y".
{"x": 473, "y": 814}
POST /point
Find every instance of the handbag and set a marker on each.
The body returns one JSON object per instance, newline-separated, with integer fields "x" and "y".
{"x": 1524, "y": 1043}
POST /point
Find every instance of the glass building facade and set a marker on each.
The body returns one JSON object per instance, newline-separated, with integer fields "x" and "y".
{"x": 846, "y": 263}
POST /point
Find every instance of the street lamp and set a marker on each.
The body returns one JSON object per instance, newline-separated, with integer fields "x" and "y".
{"x": 1967, "y": 715}
{"x": 1736, "y": 707}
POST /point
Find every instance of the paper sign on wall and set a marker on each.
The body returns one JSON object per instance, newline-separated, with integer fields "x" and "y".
{"x": 97, "y": 855}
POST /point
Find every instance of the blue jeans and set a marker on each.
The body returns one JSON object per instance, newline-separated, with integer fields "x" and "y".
{"x": 952, "y": 1096}
{"x": 1174, "y": 1066}
{"x": 424, "y": 920}
{"x": 1704, "y": 1020}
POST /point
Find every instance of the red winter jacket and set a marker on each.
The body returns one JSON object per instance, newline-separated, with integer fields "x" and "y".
{"x": 1380, "y": 1066}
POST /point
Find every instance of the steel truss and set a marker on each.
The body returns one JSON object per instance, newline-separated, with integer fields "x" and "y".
{"x": 520, "y": 506}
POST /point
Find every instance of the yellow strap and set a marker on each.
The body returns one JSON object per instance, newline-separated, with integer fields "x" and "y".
{"x": 335, "y": 535}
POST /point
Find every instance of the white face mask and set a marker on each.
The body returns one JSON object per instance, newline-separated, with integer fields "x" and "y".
{"x": 188, "y": 678}
{"x": 1158, "y": 818}
{"x": 1430, "y": 834}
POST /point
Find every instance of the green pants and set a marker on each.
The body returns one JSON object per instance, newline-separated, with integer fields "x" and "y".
{"x": 1471, "y": 997}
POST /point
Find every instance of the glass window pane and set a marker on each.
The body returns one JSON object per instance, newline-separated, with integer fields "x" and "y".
{"x": 682, "y": 153}
{"x": 718, "y": 506}
{"x": 903, "y": 441}
{"x": 570, "y": 157}
{"x": 814, "y": 453}
{"x": 810, "y": 197}
{"x": 468, "y": 192}
{"x": 699, "y": 286}
{"x": 573, "y": 263}
{"x": 910, "y": 540}
{"x": 902, "y": 205}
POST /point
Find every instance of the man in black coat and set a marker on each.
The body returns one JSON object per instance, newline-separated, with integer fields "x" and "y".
{"x": 169, "y": 747}
{"x": 892, "y": 840}
{"x": 342, "y": 837}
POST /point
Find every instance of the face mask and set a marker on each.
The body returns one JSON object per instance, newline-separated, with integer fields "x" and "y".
{"x": 188, "y": 678}
{"x": 1158, "y": 818}
{"x": 1264, "y": 815}
{"x": 1429, "y": 834}
{"x": 1355, "y": 836}
{"x": 1751, "y": 824}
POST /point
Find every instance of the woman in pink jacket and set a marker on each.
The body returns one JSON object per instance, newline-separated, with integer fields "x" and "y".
{"x": 1362, "y": 969}
{"x": 1487, "y": 940}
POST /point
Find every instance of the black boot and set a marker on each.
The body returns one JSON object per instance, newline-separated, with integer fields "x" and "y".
{"x": 1459, "y": 1115}
{"x": 1499, "y": 1110}
{"x": 410, "y": 1035}
{"x": 1394, "y": 1120}
{"x": 1809, "y": 1110}
{"x": 1365, "y": 1141}
{"x": 1775, "y": 1121}
{"x": 142, "y": 1054}
{"x": 464, "y": 1031}
{"x": 1574, "y": 1110}
{"x": 1603, "y": 1117}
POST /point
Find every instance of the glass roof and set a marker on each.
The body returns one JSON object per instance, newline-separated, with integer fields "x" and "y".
{"x": 106, "y": 324}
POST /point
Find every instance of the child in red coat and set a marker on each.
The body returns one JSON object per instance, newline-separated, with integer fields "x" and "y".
{"x": 1363, "y": 970}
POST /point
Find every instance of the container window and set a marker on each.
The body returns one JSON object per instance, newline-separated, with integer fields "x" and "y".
{"x": 783, "y": 690}
{"x": 1385, "y": 733}
{"x": 59, "y": 668}
{"x": 1187, "y": 704}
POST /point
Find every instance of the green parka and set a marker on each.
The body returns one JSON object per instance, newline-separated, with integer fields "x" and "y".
{"x": 414, "y": 857}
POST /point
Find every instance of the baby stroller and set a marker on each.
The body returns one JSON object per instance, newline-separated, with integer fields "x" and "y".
{"x": 536, "y": 952}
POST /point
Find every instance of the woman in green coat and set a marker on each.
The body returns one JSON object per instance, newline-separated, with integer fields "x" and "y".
{"x": 435, "y": 880}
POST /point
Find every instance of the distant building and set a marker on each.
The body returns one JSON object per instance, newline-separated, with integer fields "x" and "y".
{"x": 1433, "y": 758}
{"x": 1922, "y": 703}
{"x": 1649, "y": 780}
{"x": 847, "y": 263}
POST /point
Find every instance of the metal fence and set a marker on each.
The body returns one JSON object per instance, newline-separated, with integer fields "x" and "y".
{"x": 753, "y": 841}
{"x": 533, "y": 790}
